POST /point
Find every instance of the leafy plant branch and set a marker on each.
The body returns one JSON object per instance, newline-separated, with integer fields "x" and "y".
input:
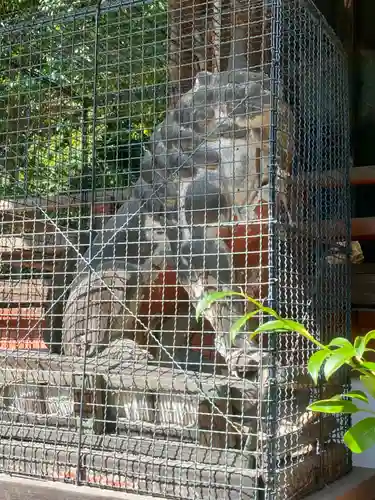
{"x": 327, "y": 359}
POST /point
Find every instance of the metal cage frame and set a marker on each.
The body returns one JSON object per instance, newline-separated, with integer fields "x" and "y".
{"x": 79, "y": 413}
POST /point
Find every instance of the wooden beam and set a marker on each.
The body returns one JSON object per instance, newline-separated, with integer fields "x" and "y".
{"x": 363, "y": 287}
{"x": 23, "y": 290}
{"x": 362, "y": 175}
{"x": 37, "y": 248}
{"x": 14, "y": 313}
{"x": 332, "y": 178}
{"x": 363, "y": 228}
{"x": 358, "y": 175}
{"x": 52, "y": 203}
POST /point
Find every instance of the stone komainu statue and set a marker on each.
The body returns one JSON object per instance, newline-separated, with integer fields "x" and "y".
{"x": 207, "y": 163}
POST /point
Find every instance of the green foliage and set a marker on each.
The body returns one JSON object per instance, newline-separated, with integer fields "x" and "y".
{"x": 209, "y": 299}
{"x": 323, "y": 364}
{"x": 315, "y": 362}
{"x": 334, "y": 406}
{"x": 361, "y": 436}
{"x": 78, "y": 97}
{"x": 368, "y": 382}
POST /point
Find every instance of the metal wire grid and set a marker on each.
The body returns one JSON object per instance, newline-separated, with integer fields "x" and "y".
{"x": 311, "y": 266}
{"x": 157, "y": 412}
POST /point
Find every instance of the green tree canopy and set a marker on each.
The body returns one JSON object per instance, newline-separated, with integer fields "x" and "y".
{"x": 80, "y": 87}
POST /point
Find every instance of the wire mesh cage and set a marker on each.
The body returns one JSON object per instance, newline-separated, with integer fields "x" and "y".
{"x": 152, "y": 152}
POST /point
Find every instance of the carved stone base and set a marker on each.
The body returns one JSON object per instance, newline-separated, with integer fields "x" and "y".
{"x": 48, "y": 404}
{"x": 316, "y": 470}
{"x": 165, "y": 419}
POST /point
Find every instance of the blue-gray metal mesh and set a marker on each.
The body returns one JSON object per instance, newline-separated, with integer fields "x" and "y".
{"x": 151, "y": 153}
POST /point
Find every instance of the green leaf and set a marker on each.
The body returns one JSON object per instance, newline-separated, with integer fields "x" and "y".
{"x": 297, "y": 327}
{"x": 361, "y": 436}
{"x": 315, "y": 363}
{"x": 337, "y": 360}
{"x": 271, "y": 326}
{"x": 209, "y": 298}
{"x": 285, "y": 325}
{"x": 369, "y": 336}
{"x": 261, "y": 307}
{"x": 369, "y": 383}
{"x": 339, "y": 342}
{"x": 359, "y": 370}
{"x": 336, "y": 396}
{"x": 369, "y": 365}
{"x": 257, "y": 303}
{"x": 359, "y": 345}
{"x": 333, "y": 406}
{"x": 356, "y": 395}
{"x": 238, "y": 325}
